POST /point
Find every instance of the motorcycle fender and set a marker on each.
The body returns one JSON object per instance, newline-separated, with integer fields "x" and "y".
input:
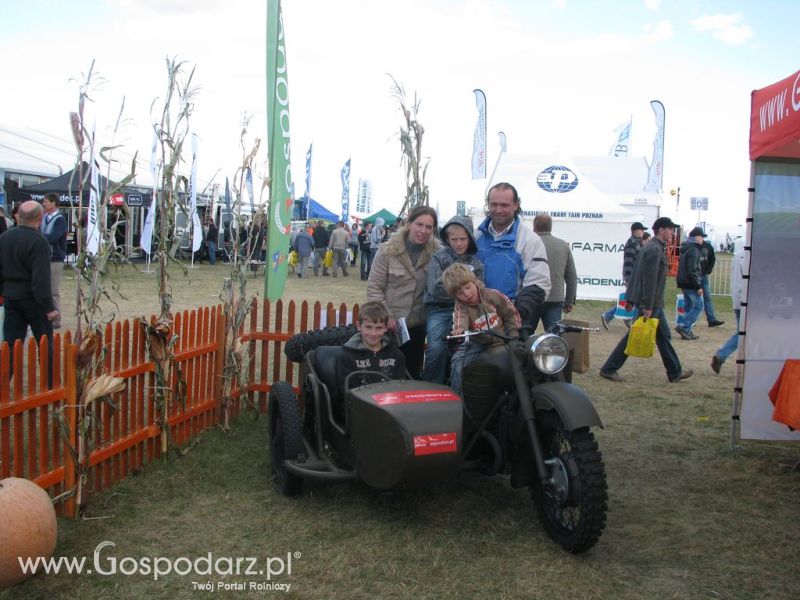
{"x": 569, "y": 401}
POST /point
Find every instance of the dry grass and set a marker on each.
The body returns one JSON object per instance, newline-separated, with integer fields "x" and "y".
{"x": 687, "y": 518}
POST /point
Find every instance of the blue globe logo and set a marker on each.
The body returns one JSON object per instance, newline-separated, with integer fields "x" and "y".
{"x": 557, "y": 179}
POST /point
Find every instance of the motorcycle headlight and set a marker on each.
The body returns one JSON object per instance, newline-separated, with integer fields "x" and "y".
{"x": 549, "y": 353}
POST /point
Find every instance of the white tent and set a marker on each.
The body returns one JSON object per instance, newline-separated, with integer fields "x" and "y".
{"x": 595, "y": 226}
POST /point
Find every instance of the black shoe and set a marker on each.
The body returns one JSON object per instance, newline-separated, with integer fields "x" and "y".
{"x": 716, "y": 364}
{"x": 346, "y": 274}
{"x": 683, "y": 332}
{"x": 692, "y": 335}
{"x": 685, "y": 374}
{"x": 611, "y": 376}
{"x": 715, "y": 323}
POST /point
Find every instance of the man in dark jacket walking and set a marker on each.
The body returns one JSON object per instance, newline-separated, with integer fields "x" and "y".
{"x": 25, "y": 278}
{"x": 707, "y": 261}
{"x": 629, "y": 252}
{"x": 690, "y": 281}
{"x": 646, "y": 292}
{"x": 321, "y": 238}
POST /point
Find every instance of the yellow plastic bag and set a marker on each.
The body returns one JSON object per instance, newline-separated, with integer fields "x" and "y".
{"x": 328, "y": 262}
{"x": 292, "y": 258}
{"x": 642, "y": 338}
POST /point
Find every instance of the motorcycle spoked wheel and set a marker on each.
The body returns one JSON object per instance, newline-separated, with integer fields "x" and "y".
{"x": 285, "y": 437}
{"x": 573, "y": 508}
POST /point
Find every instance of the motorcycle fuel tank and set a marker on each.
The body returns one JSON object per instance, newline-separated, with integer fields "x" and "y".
{"x": 405, "y": 433}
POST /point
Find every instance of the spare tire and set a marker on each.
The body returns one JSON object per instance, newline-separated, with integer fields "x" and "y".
{"x": 297, "y": 346}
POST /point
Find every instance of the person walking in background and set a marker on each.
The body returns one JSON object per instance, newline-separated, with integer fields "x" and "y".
{"x": 25, "y": 279}
{"x": 459, "y": 247}
{"x": 707, "y": 261}
{"x": 563, "y": 276}
{"x": 304, "y": 246}
{"x": 54, "y": 228}
{"x": 629, "y": 252}
{"x": 689, "y": 280}
{"x": 376, "y": 238}
{"x": 339, "y": 242}
{"x": 399, "y": 277}
{"x": 321, "y": 239}
{"x": 354, "y": 231}
{"x": 212, "y": 238}
{"x": 514, "y": 257}
{"x": 366, "y": 254}
{"x": 646, "y": 292}
{"x": 739, "y": 270}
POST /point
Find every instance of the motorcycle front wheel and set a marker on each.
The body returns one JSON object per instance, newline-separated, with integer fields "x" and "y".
{"x": 572, "y": 505}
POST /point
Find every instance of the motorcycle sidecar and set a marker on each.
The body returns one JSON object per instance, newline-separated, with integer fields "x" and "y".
{"x": 388, "y": 434}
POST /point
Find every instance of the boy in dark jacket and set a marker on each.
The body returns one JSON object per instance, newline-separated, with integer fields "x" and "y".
{"x": 459, "y": 247}
{"x": 371, "y": 349}
{"x": 690, "y": 281}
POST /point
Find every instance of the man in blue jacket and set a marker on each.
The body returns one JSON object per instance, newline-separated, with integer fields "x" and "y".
{"x": 514, "y": 257}
{"x": 54, "y": 228}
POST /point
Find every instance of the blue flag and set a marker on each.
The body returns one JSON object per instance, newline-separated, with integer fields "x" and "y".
{"x": 346, "y": 191}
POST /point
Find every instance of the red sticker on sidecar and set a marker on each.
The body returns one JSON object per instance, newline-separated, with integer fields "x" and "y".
{"x": 415, "y": 396}
{"x": 435, "y": 443}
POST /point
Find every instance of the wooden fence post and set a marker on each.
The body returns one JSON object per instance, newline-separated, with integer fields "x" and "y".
{"x": 219, "y": 358}
{"x": 71, "y": 416}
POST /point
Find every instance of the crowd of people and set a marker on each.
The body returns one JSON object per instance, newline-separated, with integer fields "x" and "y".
{"x": 430, "y": 282}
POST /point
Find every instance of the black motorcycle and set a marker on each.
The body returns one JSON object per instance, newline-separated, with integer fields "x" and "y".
{"x": 518, "y": 416}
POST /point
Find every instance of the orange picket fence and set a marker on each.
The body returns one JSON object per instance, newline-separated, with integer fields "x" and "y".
{"x": 38, "y": 416}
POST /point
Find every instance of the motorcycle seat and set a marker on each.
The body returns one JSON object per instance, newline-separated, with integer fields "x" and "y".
{"x": 323, "y": 362}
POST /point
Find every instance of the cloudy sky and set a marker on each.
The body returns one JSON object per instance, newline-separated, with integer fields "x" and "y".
{"x": 558, "y": 74}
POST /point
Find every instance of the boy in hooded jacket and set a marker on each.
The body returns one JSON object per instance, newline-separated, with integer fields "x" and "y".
{"x": 459, "y": 247}
{"x": 371, "y": 349}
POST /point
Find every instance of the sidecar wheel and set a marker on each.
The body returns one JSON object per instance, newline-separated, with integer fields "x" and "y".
{"x": 285, "y": 437}
{"x": 572, "y": 509}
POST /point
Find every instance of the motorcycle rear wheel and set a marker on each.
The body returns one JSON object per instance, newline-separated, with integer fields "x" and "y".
{"x": 573, "y": 507}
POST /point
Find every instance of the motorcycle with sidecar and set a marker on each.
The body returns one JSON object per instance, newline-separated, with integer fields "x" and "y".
{"x": 516, "y": 416}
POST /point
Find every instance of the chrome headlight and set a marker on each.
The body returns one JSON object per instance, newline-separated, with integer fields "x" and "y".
{"x": 549, "y": 353}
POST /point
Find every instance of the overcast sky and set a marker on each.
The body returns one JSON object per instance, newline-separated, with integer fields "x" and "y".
{"x": 557, "y": 75}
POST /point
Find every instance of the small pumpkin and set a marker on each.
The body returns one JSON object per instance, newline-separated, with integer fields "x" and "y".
{"x": 28, "y": 527}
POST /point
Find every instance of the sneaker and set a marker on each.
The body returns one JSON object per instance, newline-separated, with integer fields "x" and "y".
{"x": 604, "y": 321}
{"x": 611, "y": 376}
{"x": 685, "y": 374}
{"x": 716, "y": 363}
{"x": 715, "y": 323}
{"x": 683, "y": 332}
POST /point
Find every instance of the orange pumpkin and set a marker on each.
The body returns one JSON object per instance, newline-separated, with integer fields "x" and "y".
{"x": 27, "y": 527}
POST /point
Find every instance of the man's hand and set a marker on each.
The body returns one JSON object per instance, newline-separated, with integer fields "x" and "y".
{"x": 52, "y": 315}
{"x": 647, "y": 313}
{"x": 567, "y": 309}
{"x": 700, "y": 292}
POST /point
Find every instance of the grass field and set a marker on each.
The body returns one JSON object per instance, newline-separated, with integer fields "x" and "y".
{"x": 687, "y": 518}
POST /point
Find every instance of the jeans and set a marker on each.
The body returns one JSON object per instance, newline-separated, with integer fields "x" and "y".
{"x": 669, "y": 357}
{"x": 693, "y": 305}
{"x": 366, "y": 263}
{"x": 339, "y": 260}
{"x": 302, "y": 266}
{"x": 466, "y": 354}
{"x": 212, "y": 253}
{"x": 708, "y": 305}
{"x": 549, "y": 313}
{"x": 319, "y": 253}
{"x": 732, "y": 344}
{"x": 354, "y": 250}
{"x": 610, "y": 313}
{"x": 440, "y": 322}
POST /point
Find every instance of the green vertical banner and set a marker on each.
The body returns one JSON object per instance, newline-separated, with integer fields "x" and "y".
{"x": 280, "y": 172}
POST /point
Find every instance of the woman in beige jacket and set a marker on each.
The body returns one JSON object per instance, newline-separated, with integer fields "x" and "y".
{"x": 398, "y": 279}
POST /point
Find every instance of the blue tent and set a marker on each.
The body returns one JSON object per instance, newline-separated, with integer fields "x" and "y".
{"x": 317, "y": 211}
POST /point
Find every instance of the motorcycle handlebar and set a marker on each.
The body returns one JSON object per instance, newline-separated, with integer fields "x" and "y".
{"x": 557, "y": 329}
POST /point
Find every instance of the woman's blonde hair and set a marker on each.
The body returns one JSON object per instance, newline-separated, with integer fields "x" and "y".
{"x": 458, "y": 275}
